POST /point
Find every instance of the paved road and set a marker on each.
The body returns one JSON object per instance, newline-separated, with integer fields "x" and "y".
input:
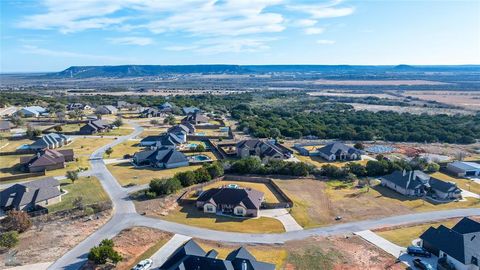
{"x": 125, "y": 216}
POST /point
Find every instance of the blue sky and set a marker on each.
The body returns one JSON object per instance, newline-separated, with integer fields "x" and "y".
{"x": 51, "y": 35}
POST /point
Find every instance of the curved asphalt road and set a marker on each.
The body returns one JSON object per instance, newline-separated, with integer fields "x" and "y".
{"x": 125, "y": 216}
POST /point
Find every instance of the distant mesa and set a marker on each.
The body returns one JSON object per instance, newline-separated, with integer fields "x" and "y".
{"x": 404, "y": 67}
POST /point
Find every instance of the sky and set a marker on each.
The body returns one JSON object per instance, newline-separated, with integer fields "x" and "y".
{"x": 52, "y": 35}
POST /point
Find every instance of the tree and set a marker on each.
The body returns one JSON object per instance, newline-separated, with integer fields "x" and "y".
{"x": 187, "y": 178}
{"x": 376, "y": 168}
{"x": 165, "y": 186}
{"x": 78, "y": 203}
{"x": 9, "y": 239}
{"x": 215, "y": 169}
{"x": 275, "y": 133}
{"x": 154, "y": 122}
{"x": 109, "y": 151}
{"x": 359, "y": 146}
{"x": 247, "y": 165}
{"x": 356, "y": 168}
{"x": 200, "y": 148}
{"x": 432, "y": 167}
{"x": 72, "y": 175}
{"x": 118, "y": 122}
{"x": 104, "y": 252}
{"x": 33, "y": 133}
{"x": 58, "y": 128}
{"x": 202, "y": 175}
{"x": 169, "y": 120}
{"x": 17, "y": 221}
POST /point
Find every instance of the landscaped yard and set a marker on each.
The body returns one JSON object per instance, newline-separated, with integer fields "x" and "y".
{"x": 317, "y": 203}
{"x": 127, "y": 174}
{"x": 89, "y": 189}
{"x": 188, "y": 214}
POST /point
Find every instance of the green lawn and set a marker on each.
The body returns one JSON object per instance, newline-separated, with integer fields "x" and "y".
{"x": 189, "y": 214}
{"x": 462, "y": 183}
{"x": 89, "y": 189}
{"x": 127, "y": 147}
{"x": 126, "y": 173}
{"x": 270, "y": 195}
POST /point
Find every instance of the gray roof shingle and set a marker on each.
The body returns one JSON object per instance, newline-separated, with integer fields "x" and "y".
{"x": 35, "y": 191}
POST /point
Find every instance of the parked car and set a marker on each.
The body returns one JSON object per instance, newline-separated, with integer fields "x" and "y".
{"x": 418, "y": 251}
{"x": 422, "y": 265}
{"x": 143, "y": 265}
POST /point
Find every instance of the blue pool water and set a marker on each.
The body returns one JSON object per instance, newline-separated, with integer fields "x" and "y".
{"x": 192, "y": 145}
{"x": 200, "y": 133}
{"x": 200, "y": 158}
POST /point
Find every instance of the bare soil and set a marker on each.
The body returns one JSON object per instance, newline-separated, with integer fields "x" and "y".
{"x": 48, "y": 240}
{"x": 466, "y": 99}
{"x": 133, "y": 242}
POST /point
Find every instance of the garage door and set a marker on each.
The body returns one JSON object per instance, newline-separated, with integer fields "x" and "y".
{"x": 470, "y": 173}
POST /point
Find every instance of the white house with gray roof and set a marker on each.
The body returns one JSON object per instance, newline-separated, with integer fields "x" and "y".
{"x": 464, "y": 169}
{"x": 50, "y": 141}
{"x": 339, "y": 151}
{"x": 32, "y": 111}
{"x": 162, "y": 157}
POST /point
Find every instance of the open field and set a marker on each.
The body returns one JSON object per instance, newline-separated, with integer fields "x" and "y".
{"x": 353, "y": 94}
{"x": 138, "y": 243}
{"x": 89, "y": 189}
{"x": 317, "y": 203}
{"x": 404, "y": 235}
{"x": 466, "y": 99}
{"x": 187, "y": 213}
{"x": 127, "y": 174}
{"x": 270, "y": 195}
{"x": 377, "y": 82}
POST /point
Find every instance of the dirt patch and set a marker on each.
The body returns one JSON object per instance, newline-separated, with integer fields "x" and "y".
{"x": 158, "y": 206}
{"x": 466, "y": 99}
{"x": 133, "y": 242}
{"x": 48, "y": 240}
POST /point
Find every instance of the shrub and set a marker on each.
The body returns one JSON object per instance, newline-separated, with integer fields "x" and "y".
{"x": 165, "y": 186}
{"x": 17, "y": 221}
{"x": 150, "y": 195}
{"x": 9, "y": 239}
{"x": 187, "y": 178}
{"x": 200, "y": 148}
{"x": 202, "y": 175}
{"x": 88, "y": 211}
{"x": 215, "y": 169}
{"x": 104, "y": 252}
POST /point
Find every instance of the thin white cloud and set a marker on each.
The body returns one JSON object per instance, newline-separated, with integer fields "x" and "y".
{"x": 325, "y": 41}
{"x": 305, "y": 23}
{"x": 31, "y": 49}
{"x": 220, "y": 45}
{"x": 139, "y": 41}
{"x": 323, "y": 10}
{"x": 314, "y": 30}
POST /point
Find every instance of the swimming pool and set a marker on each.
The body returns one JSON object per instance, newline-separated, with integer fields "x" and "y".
{"x": 200, "y": 133}
{"x": 199, "y": 158}
{"x": 192, "y": 145}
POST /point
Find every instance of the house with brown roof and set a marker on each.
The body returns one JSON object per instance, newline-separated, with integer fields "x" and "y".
{"x": 27, "y": 196}
{"x": 47, "y": 160}
{"x": 5, "y": 126}
{"x": 231, "y": 200}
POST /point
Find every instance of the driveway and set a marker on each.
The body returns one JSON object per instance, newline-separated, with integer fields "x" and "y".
{"x": 282, "y": 215}
{"x": 161, "y": 256}
{"x": 393, "y": 249}
{"x": 466, "y": 193}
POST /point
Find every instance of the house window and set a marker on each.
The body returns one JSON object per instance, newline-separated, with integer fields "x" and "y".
{"x": 474, "y": 261}
{"x": 239, "y": 211}
{"x": 209, "y": 208}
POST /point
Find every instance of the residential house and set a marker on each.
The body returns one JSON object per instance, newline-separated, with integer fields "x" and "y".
{"x": 195, "y": 118}
{"x": 190, "y": 110}
{"x": 459, "y": 246}
{"x": 161, "y": 157}
{"x": 464, "y": 169}
{"x": 185, "y": 128}
{"x": 338, "y": 151}
{"x": 32, "y": 111}
{"x": 167, "y": 139}
{"x": 78, "y": 106}
{"x": 417, "y": 183}
{"x": 226, "y": 200}
{"x": 266, "y": 150}
{"x": 106, "y": 109}
{"x": 95, "y": 126}
{"x": 5, "y": 126}
{"x": 47, "y": 160}
{"x": 191, "y": 256}
{"x": 27, "y": 196}
{"x": 151, "y": 112}
{"x": 166, "y": 107}
{"x": 50, "y": 141}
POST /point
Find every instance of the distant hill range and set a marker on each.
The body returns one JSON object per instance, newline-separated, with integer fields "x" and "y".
{"x": 156, "y": 70}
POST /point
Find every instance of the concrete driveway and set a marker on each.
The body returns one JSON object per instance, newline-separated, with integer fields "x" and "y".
{"x": 282, "y": 215}
{"x": 161, "y": 256}
{"x": 393, "y": 249}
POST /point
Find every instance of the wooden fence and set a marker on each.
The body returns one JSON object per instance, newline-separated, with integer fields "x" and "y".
{"x": 21, "y": 176}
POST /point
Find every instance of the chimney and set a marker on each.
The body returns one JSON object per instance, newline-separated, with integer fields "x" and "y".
{"x": 244, "y": 265}
{"x": 404, "y": 172}
{"x": 409, "y": 178}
